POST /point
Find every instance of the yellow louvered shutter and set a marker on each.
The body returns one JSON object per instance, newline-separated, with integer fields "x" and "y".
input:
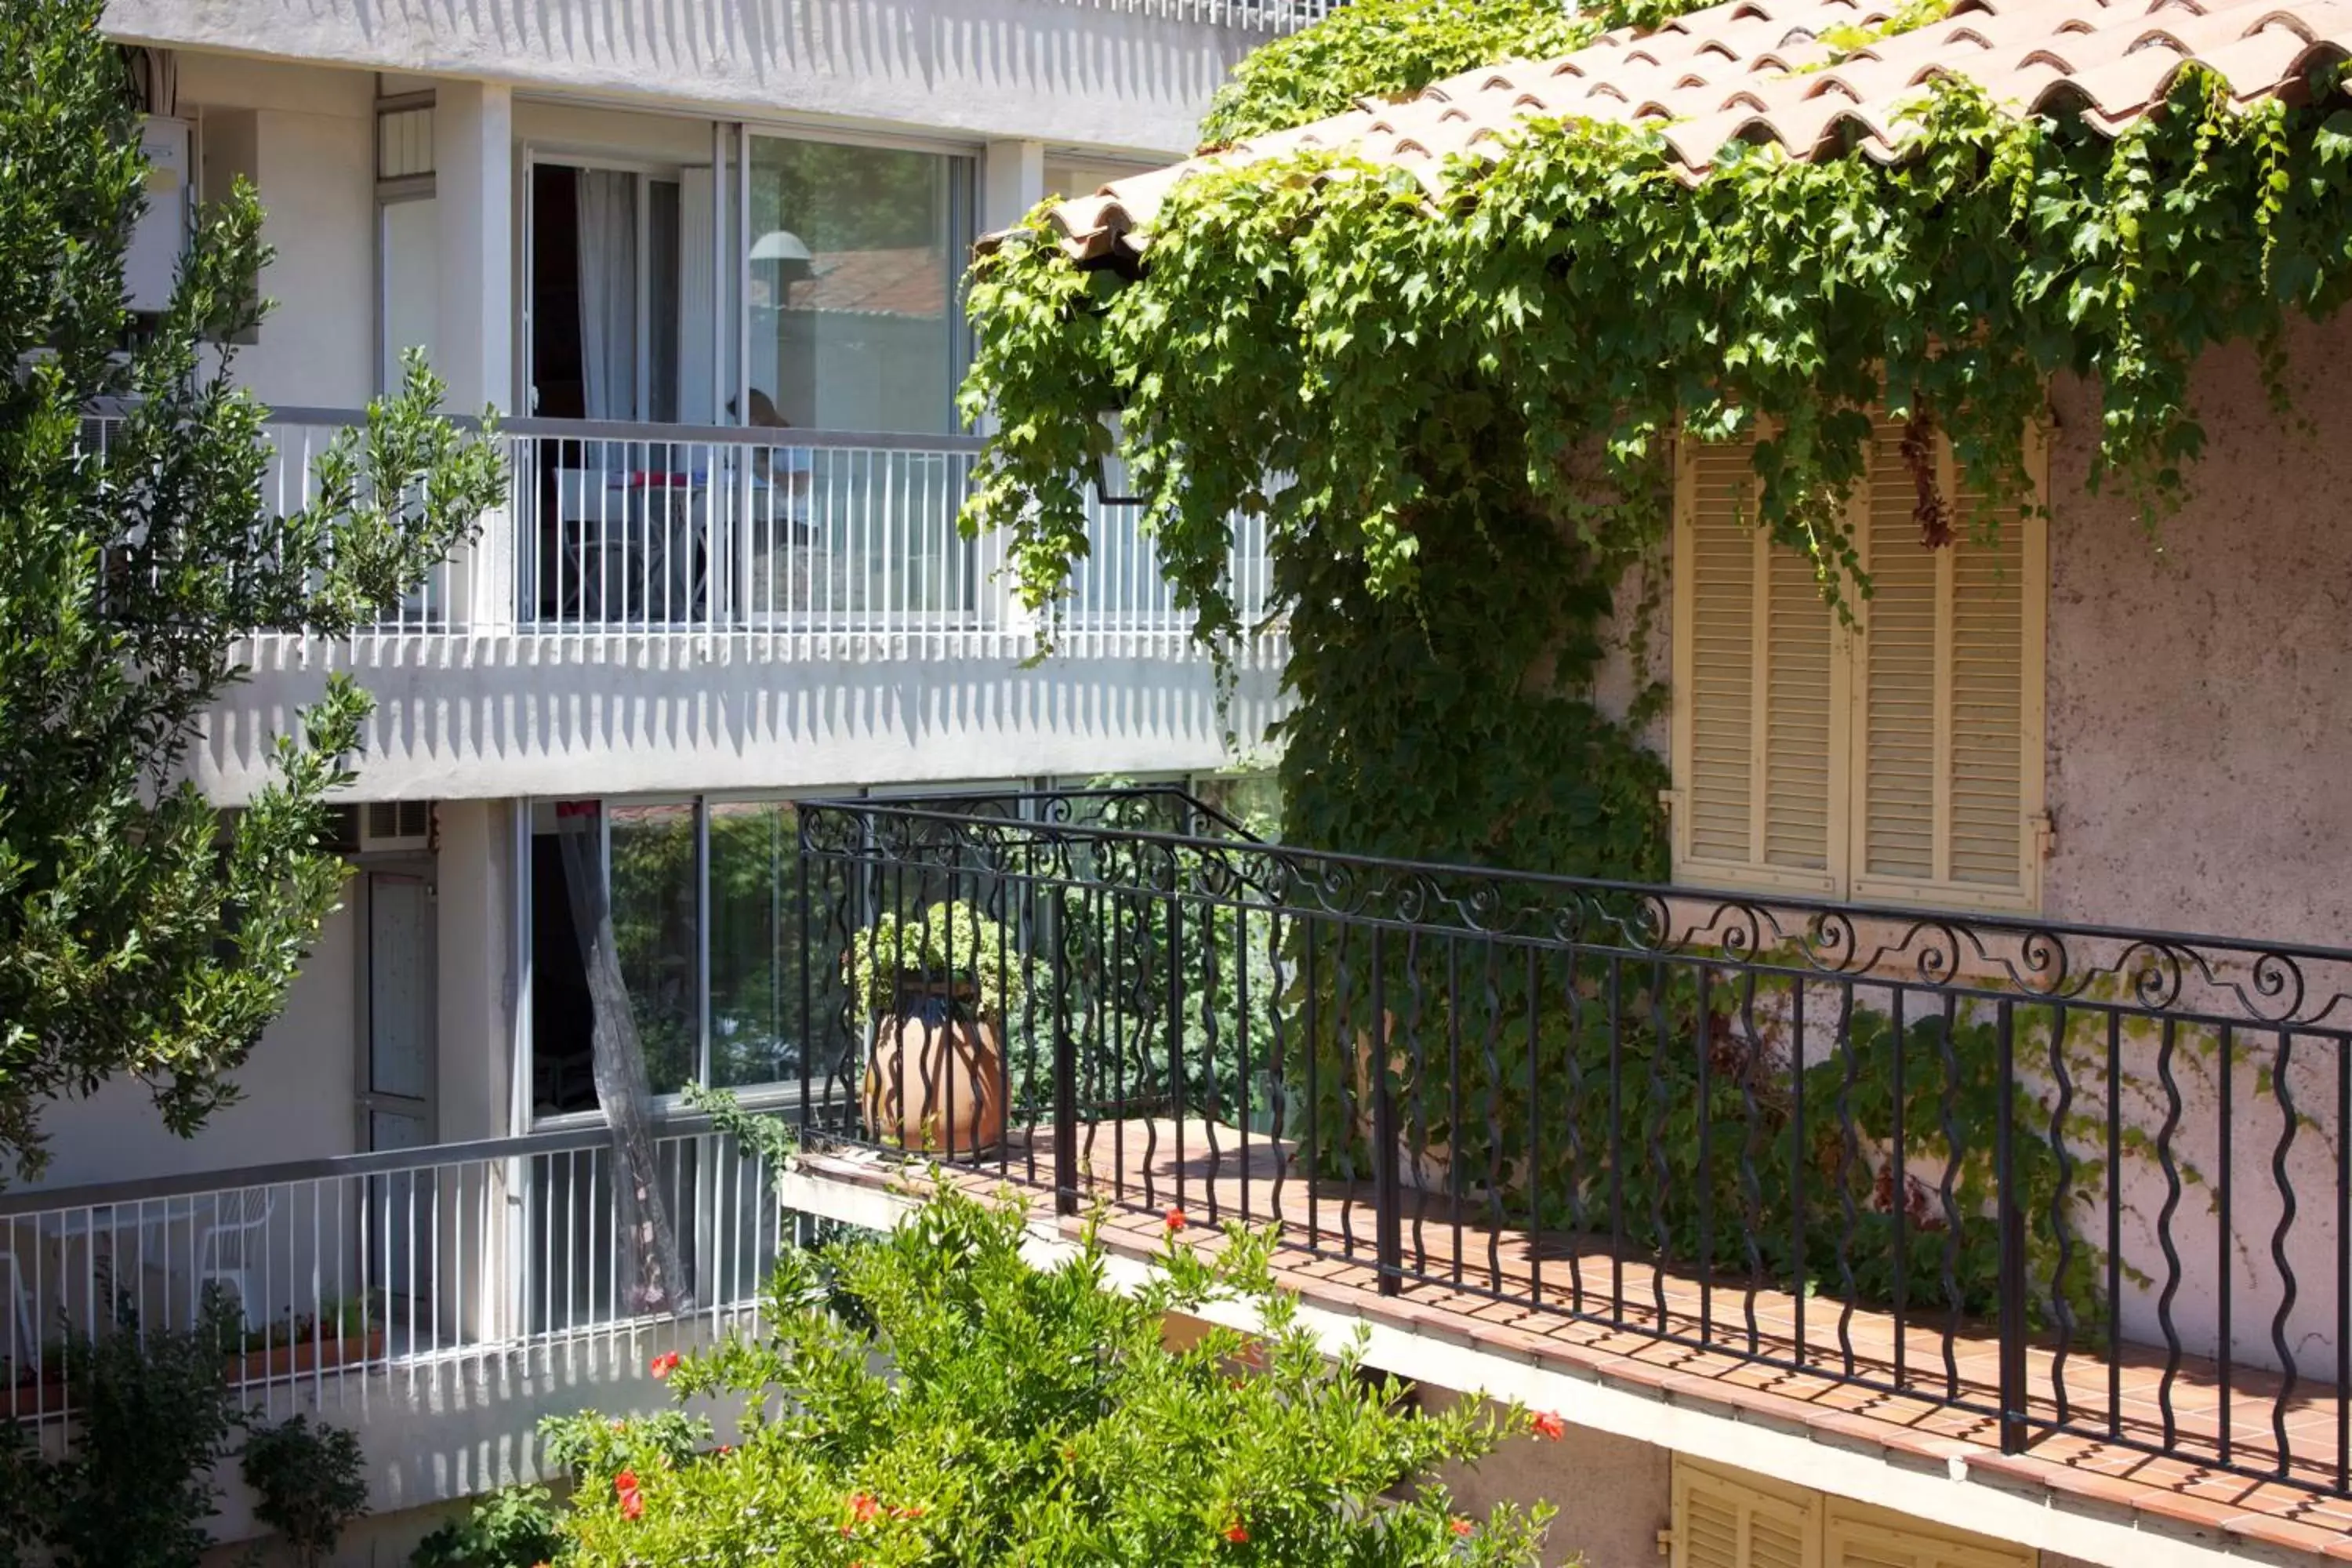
{"x": 1758, "y": 725}
{"x": 1722, "y": 636}
{"x": 1856, "y": 1535}
{"x": 1946, "y": 785}
{"x": 1900, "y": 766}
{"x": 1722, "y": 1520}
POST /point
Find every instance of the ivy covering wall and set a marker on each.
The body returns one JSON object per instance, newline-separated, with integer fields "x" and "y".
{"x": 1470, "y": 403}
{"x": 1457, "y": 416}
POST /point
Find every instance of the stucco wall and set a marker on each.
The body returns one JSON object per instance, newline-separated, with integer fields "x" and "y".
{"x": 299, "y": 1088}
{"x": 1037, "y": 69}
{"x": 305, "y": 136}
{"x": 2200, "y": 681}
{"x": 1613, "y": 1493}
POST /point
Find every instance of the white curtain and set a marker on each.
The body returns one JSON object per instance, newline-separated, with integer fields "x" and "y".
{"x": 608, "y": 293}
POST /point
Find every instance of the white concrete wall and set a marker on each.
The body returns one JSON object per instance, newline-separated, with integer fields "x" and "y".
{"x": 300, "y": 1086}
{"x": 478, "y": 718}
{"x": 306, "y": 137}
{"x": 1041, "y": 69}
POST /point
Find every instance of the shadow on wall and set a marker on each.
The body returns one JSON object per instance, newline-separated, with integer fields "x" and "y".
{"x": 457, "y": 718}
{"x": 962, "y": 62}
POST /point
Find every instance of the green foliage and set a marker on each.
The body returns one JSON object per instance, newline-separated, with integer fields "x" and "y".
{"x": 308, "y": 1484}
{"x": 931, "y": 1398}
{"x": 134, "y": 941}
{"x": 514, "y": 1527}
{"x": 153, "y": 1415}
{"x": 1457, "y": 416}
{"x": 949, "y": 944}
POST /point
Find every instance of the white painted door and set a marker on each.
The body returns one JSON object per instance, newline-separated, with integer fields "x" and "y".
{"x": 396, "y": 1092}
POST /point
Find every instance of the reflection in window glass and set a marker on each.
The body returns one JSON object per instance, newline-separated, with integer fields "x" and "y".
{"x": 855, "y": 252}
{"x": 653, "y": 899}
{"x": 754, "y": 943}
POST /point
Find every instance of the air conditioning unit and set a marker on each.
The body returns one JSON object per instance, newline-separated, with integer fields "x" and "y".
{"x": 389, "y": 825}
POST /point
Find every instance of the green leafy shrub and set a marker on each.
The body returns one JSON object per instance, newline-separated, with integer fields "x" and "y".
{"x": 931, "y": 1398}
{"x": 950, "y": 943}
{"x": 307, "y": 1482}
{"x": 152, "y": 1417}
{"x": 512, "y": 1528}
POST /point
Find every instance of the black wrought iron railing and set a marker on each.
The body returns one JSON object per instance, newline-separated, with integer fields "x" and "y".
{"x": 2071, "y": 1180}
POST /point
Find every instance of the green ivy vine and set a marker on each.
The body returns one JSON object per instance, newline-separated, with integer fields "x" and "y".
{"x": 1457, "y": 416}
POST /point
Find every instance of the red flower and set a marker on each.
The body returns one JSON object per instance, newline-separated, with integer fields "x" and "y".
{"x": 1235, "y": 1534}
{"x": 724, "y": 1449}
{"x": 863, "y": 1508}
{"x": 663, "y": 1365}
{"x": 626, "y": 1482}
{"x": 1176, "y": 1219}
{"x": 1460, "y": 1525}
{"x": 633, "y": 1505}
{"x": 1549, "y": 1428}
{"x": 912, "y": 1510}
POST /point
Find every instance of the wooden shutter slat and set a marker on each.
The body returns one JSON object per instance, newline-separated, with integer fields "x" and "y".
{"x": 1723, "y": 686}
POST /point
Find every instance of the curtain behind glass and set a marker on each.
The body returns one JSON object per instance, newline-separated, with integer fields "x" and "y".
{"x": 608, "y": 293}
{"x": 651, "y": 1276}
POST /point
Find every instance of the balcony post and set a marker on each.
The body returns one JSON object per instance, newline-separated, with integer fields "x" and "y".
{"x": 473, "y": 351}
{"x": 1388, "y": 1205}
{"x": 2011, "y": 1217}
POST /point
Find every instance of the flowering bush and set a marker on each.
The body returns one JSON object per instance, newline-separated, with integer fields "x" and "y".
{"x": 931, "y": 1398}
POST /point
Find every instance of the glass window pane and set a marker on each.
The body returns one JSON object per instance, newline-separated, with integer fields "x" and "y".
{"x": 653, "y": 899}
{"x": 853, "y": 259}
{"x": 754, "y": 943}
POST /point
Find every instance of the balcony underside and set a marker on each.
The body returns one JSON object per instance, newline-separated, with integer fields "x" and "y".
{"x": 1924, "y": 1390}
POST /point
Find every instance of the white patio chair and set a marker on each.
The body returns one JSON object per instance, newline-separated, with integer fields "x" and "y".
{"x": 25, "y": 1349}
{"x": 230, "y": 1244}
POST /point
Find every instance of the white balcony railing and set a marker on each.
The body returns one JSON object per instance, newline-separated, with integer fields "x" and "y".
{"x": 801, "y": 543}
{"x": 347, "y": 1272}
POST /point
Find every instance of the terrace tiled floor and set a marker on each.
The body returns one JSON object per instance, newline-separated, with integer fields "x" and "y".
{"x": 1550, "y": 1298}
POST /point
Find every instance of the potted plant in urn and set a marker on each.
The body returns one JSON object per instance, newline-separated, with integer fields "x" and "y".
{"x": 934, "y": 986}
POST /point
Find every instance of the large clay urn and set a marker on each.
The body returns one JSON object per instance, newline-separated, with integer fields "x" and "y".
{"x": 934, "y": 1076}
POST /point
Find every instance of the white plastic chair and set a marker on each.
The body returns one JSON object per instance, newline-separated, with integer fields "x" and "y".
{"x": 231, "y": 1242}
{"x": 25, "y": 1352}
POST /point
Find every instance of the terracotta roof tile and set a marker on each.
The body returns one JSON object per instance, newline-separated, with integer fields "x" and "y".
{"x": 1755, "y": 69}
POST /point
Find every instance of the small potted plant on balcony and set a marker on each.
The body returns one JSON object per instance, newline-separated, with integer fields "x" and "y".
{"x": 935, "y": 986}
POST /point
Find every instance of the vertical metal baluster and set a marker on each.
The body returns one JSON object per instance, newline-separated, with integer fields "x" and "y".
{"x": 2062, "y": 1310}
{"x": 2015, "y": 1399}
{"x": 1955, "y": 1149}
{"x": 1616, "y": 1140}
{"x": 1702, "y": 1046}
{"x": 1453, "y": 1092}
{"x": 2289, "y": 1116}
{"x": 1653, "y": 1132}
{"x": 2225, "y": 1348}
{"x": 1312, "y": 1049}
{"x": 1498, "y": 1083}
{"x": 1532, "y": 988}
{"x": 1849, "y": 1155}
{"x": 2343, "y": 1264}
{"x": 1799, "y": 1263}
{"x": 2115, "y": 1199}
{"x": 1389, "y": 1245}
{"x": 1415, "y": 1130}
{"x": 1242, "y": 1042}
{"x": 1899, "y": 1189}
{"x": 2167, "y": 1040}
